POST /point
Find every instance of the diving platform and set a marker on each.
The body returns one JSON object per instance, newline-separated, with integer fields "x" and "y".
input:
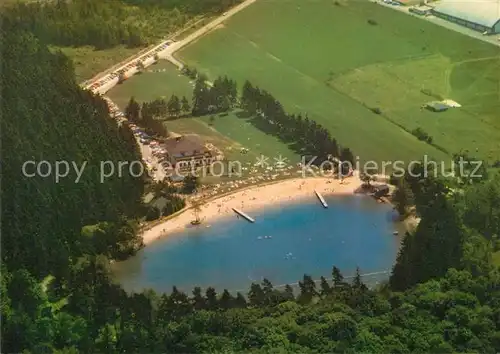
{"x": 245, "y": 215}
{"x": 321, "y": 199}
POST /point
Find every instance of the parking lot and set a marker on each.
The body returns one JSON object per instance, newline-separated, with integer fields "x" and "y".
{"x": 107, "y": 82}
{"x": 152, "y": 154}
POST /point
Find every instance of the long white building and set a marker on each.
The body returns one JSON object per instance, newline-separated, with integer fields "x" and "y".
{"x": 480, "y": 15}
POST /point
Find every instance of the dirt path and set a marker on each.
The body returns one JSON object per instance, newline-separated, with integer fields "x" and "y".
{"x": 496, "y": 57}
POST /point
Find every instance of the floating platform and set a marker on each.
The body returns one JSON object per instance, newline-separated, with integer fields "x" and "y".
{"x": 321, "y": 199}
{"x": 245, "y": 215}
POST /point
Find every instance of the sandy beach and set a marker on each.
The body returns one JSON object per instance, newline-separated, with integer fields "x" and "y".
{"x": 275, "y": 194}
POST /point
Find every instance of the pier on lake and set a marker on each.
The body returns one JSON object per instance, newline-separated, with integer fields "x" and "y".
{"x": 321, "y": 199}
{"x": 243, "y": 214}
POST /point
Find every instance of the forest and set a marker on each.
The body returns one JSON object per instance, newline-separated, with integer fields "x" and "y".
{"x": 58, "y": 296}
{"x": 108, "y": 23}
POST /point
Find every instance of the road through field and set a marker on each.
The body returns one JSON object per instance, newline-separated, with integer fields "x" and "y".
{"x": 166, "y": 53}
{"x": 169, "y": 53}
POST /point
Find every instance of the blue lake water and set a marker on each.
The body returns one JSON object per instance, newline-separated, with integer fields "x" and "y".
{"x": 305, "y": 238}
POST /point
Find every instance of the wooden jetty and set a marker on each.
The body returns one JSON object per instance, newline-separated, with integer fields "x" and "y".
{"x": 245, "y": 215}
{"x": 321, "y": 199}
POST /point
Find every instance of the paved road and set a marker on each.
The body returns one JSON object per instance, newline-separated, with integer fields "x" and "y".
{"x": 109, "y": 81}
{"x": 168, "y": 53}
{"x": 134, "y": 57}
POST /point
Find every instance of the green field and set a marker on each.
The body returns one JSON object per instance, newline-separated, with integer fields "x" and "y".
{"x": 157, "y": 81}
{"x": 326, "y": 60}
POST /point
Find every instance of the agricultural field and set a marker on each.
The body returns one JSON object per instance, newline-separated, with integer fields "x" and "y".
{"x": 339, "y": 60}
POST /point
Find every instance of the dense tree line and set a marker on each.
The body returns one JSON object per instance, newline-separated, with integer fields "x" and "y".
{"x": 313, "y": 138}
{"x": 189, "y": 6}
{"x": 107, "y": 23}
{"x": 220, "y": 96}
{"x": 422, "y": 135}
{"x": 458, "y": 226}
{"x": 117, "y": 240}
{"x": 150, "y": 115}
{"x": 190, "y": 72}
{"x": 173, "y": 201}
{"x": 56, "y": 290}
{"x": 101, "y": 23}
{"x": 47, "y": 117}
{"x": 456, "y": 313}
{"x": 147, "y": 116}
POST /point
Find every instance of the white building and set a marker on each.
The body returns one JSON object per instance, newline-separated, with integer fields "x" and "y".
{"x": 480, "y": 15}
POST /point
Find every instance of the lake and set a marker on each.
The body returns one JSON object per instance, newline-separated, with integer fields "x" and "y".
{"x": 284, "y": 243}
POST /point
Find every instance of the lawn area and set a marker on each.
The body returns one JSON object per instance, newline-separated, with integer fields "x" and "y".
{"x": 157, "y": 81}
{"x": 231, "y": 133}
{"x": 327, "y": 61}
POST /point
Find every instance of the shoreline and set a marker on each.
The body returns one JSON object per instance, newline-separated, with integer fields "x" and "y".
{"x": 251, "y": 198}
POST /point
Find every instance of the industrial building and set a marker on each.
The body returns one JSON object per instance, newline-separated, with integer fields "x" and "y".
{"x": 480, "y": 15}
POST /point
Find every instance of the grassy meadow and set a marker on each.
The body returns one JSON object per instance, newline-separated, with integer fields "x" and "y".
{"x": 327, "y": 60}
{"x": 160, "y": 80}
